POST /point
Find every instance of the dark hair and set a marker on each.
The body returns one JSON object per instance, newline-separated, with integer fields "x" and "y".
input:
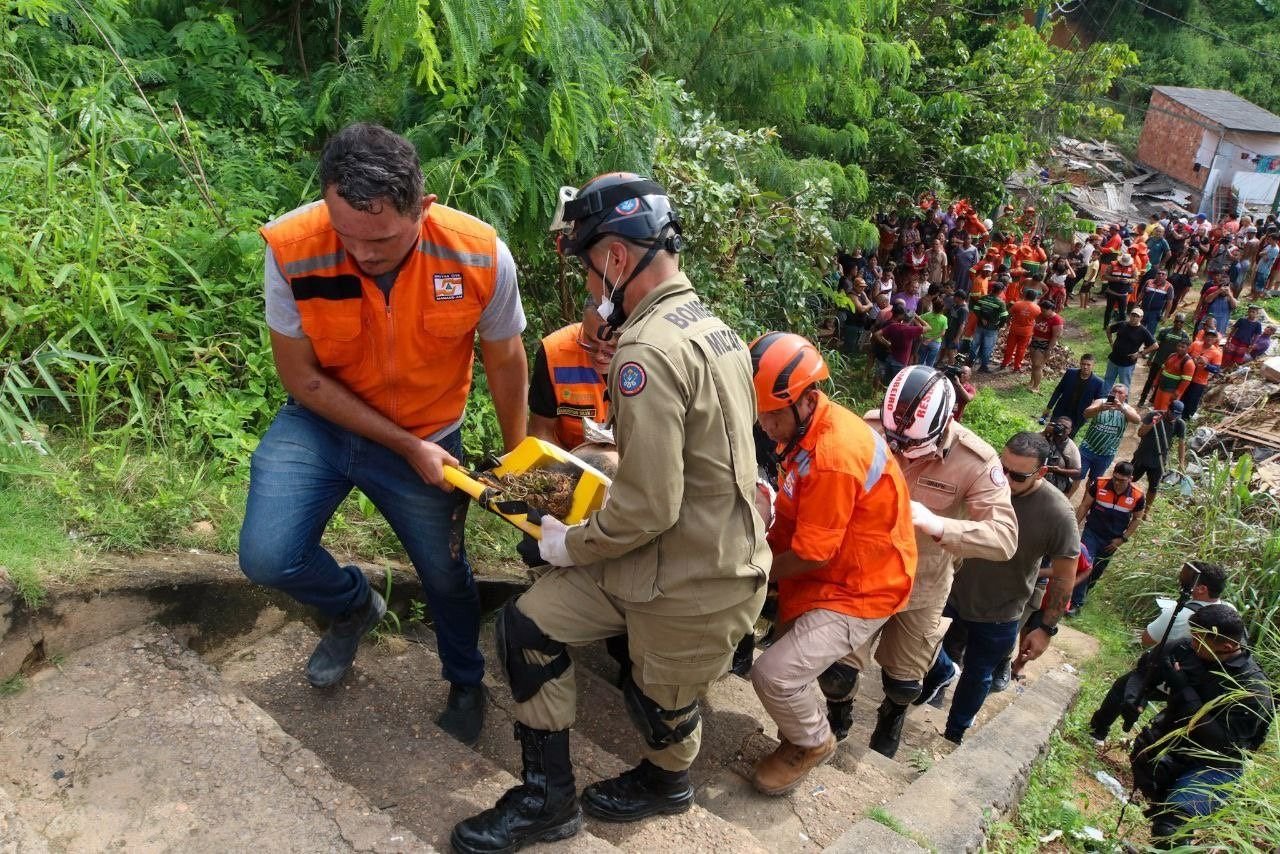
{"x": 1088, "y": 357}
{"x": 1028, "y": 444}
{"x": 1212, "y": 575}
{"x": 1221, "y": 620}
{"x": 369, "y": 165}
{"x": 1123, "y": 468}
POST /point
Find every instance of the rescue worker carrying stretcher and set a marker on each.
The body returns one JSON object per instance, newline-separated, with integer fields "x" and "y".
{"x": 676, "y": 558}
{"x": 844, "y": 550}
{"x": 960, "y": 506}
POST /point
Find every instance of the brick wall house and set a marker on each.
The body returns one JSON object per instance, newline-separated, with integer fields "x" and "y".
{"x": 1209, "y": 139}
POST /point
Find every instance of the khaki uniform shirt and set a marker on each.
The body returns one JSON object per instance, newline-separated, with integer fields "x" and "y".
{"x": 679, "y": 534}
{"x": 964, "y": 483}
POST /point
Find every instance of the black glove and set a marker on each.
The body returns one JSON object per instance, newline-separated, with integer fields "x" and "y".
{"x": 527, "y": 548}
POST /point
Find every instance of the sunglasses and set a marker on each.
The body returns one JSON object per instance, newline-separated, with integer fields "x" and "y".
{"x": 1018, "y": 476}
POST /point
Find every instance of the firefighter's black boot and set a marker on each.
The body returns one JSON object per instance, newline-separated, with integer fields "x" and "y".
{"x": 543, "y": 808}
{"x": 888, "y": 732}
{"x": 639, "y": 793}
{"x": 840, "y": 716}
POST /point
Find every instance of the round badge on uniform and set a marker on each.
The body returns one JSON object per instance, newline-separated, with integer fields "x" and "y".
{"x": 997, "y": 476}
{"x": 631, "y": 379}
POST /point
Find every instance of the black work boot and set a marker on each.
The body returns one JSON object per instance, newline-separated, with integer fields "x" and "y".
{"x": 639, "y": 793}
{"x": 744, "y": 656}
{"x": 337, "y": 649}
{"x": 463, "y": 715}
{"x": 888, "y": 732}
{"x": 541, "y": 809}
{"x": 840, "y": 716}
{"x": 1002, "y": 676}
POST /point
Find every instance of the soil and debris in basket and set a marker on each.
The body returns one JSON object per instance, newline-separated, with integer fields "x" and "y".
{"x": 548, "y": 490}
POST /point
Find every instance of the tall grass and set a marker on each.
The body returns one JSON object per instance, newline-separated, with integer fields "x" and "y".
{"x": 1223, "y": 521}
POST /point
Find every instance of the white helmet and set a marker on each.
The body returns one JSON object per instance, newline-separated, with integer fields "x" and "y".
{"x": 918, "y": 405}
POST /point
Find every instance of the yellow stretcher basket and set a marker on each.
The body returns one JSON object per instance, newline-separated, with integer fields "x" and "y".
{"x": 529, "y": 455}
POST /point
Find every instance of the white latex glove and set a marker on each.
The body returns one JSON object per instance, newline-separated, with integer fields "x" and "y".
{"x": 551, "y": 545}
{"x": 925, "y": 519}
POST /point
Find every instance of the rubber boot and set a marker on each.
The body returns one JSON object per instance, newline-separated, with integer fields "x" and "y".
{"x": 840, "y": 717}
{"x": 543, "y": 808}
{"x": 888, "y": 732}
{"x": 639, "y": 793}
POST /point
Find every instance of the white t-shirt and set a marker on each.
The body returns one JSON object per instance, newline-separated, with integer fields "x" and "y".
{"x": 1180, "y": 624}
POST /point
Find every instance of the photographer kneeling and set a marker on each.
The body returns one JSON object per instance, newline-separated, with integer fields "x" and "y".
{"x": 1218, "y": 709}
{"x": 1200, "y": 583}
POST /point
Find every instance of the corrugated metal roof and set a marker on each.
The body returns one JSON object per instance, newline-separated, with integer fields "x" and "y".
{"x": 1226, "y": 108}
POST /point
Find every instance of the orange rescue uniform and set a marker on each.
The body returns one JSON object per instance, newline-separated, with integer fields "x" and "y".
{"x": 410, "y": 358}
{"x": 579, "y": 388}
{"x": 843, "y": 500}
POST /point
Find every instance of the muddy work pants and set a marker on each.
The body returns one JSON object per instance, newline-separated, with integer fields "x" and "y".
{"x": 674, "y": 658}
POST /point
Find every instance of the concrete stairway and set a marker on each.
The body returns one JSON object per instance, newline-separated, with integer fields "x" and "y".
{"x": 375, "y": 731}
{"x": 139, "y": 743}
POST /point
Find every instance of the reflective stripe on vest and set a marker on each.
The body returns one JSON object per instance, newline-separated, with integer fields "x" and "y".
{"x": 408, "y": 357}
{"x": 578, "y": 386}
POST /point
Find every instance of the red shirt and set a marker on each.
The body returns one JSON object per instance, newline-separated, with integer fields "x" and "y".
{"x": 1045, "y": 325}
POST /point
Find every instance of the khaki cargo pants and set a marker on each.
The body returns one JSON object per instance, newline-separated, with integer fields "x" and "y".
{"x": 909, "y": 640}
{"x": 674, "y": 658}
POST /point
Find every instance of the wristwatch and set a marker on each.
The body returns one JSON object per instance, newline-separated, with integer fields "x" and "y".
{"x": 1049, "y": 630}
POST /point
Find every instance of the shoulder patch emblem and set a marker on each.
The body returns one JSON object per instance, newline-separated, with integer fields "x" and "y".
{"x": 997, "y": 476}
{"x": 448, "y": 286}
{"x": 631, "y": 379}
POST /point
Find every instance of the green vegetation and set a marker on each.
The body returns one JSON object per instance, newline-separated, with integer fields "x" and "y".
{"x": 33, "y": 542}
{"x": 1222, "y": 522}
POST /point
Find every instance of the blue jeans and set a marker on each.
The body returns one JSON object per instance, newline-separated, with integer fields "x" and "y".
{"x": 1095, "y": 544}
{"x": 929, "y": 352}
{"x": 984, "y": 344}
{"x": 302, "y": 470}
{"x": 1117, "y": 374}
{"x": 1093, "y": 466}
{"x": 986, "y": 646}
{"x": 1197, "y": 793}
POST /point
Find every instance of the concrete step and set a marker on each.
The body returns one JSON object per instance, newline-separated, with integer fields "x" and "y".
{"x": 136, "y": 744}
{"x": 375, "y": 731}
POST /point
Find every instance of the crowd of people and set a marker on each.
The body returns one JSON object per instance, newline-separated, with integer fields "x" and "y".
{"x": 942, "y": 285}
{"x": 739, "y": 490}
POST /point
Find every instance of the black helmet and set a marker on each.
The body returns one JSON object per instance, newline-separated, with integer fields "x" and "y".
{"x": 620, "y": 203}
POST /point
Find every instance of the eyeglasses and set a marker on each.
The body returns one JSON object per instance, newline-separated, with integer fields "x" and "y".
{"x": 1019, "y": 476}
{"x": 599, "y": 351}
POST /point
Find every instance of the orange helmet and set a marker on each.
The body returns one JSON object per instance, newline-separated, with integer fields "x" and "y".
{"x": 784, "y": 365}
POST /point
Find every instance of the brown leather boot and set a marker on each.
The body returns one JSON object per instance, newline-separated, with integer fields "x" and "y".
{"x": 782, "y": 770}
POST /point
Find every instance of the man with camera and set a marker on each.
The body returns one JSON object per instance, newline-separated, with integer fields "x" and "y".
{"x": 1109, "y": 418}
{"x": 1218, "y": 708}
{"x": 1063, "y": 467}
{"x": 1200, "y": 583}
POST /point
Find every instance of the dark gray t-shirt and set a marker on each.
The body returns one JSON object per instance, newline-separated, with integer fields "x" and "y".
{"x": 988, "y": 591}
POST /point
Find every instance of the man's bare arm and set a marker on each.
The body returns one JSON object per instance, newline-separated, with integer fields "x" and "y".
{"x": 304, "y": 379}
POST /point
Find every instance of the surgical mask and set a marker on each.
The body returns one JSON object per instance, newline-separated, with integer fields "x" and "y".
{"x": 605, "y": 309}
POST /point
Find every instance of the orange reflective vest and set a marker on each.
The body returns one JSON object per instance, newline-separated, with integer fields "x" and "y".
{"x": 578, "y": 386}
{"x": 409, "y": 358}
{"x": 843, "y": 500}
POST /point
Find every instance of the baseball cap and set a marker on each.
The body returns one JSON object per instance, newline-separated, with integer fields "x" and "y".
{"x": 1201, "y": 216}
{"x": 1177, "y": 407}
{"x": 1135, "y": 311}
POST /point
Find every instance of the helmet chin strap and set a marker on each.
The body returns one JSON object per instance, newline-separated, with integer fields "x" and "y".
{"x": 617, "y": 295}
{"x": 802, "y": 429}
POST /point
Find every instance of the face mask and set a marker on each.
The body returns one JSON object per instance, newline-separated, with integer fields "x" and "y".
{"x": 605, "y": 309}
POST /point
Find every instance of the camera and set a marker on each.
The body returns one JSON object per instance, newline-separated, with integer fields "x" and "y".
{"x": 956, "y": 368}
{"x": 1111, "y": 398}
{"x": 1059, "y": 429}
